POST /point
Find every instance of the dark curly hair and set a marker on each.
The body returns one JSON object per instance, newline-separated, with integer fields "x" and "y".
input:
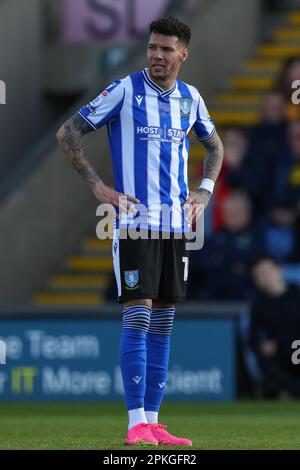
{"x": 170, "y": 26}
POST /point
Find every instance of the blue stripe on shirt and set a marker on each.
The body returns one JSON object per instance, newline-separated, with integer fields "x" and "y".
{"x": 140, "y": 146}
{"x": 183, "y": 185}
{"x": 165, "y": 151}
{"x": 115, "y": 141}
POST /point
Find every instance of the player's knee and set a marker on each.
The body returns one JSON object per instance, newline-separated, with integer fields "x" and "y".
{"x": 161, "y": 304}
{"x": 133, "y": 303}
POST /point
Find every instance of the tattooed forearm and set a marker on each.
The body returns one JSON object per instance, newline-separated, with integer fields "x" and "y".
{"x": 214, "y": 157}
{"x": 69, "y": 137}
{"x": 205, "y": 196}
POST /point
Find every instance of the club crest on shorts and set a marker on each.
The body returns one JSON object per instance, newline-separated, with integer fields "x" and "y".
{"x": 185, "y": 106}
{"x": 131, "y": 278}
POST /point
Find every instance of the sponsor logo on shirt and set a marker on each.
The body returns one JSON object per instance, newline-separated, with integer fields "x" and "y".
{"x": 163, "y": 134}
{"x": 91, "y": 109}
{"x": 139, "y": 99}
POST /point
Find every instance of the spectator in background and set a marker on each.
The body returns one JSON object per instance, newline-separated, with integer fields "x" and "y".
{"x": 287, "y": 176}
{"x": 267, "y": 141}
{"x": 220, "y": 271}
{"x": 280, "y": 235}
{"x": 286, "y": 185}
{"x": 274, "y": 325}
{"x": 290, "y": 73}
{"x": 270, "y": 133}
{"x": 232, "y": 176}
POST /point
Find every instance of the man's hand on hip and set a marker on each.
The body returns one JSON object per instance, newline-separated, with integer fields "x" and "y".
{"x": 108, "y": 195}
{"x": 195, "y": 204}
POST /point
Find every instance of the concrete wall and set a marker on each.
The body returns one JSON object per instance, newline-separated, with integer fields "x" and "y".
{"x": 223, "y": 33}
{"x": 45, "y": 219}
{"x": 19, "y": 68}
{"x": 66, "y": 68}
{"x": 32, "y": 62}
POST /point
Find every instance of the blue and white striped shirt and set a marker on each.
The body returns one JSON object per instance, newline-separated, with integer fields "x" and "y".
{"x": 148, "y": 132}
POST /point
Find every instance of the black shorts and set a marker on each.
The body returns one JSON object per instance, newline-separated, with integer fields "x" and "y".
{"x": 150, "y": 268}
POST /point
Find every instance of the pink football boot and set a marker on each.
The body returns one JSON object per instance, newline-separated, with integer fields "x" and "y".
{"x": 140, "y": 434}
{"x": 165, "y": 438}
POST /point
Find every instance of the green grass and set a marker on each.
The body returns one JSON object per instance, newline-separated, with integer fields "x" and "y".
{"x": 242, "y": 425}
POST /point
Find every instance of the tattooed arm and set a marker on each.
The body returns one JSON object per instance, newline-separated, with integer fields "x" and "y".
{"x": 212, "y": 163}
{"x": 214, "y": 157}
{"x": 69, "y": 137}
{"x": 212, "y": 166}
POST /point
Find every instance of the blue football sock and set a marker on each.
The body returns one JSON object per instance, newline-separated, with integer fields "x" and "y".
{"x": 133, "y": 360}
{"x": 158, "y": 351}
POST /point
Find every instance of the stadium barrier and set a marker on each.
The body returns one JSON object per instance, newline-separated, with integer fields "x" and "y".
{"x": 74, "y": 356}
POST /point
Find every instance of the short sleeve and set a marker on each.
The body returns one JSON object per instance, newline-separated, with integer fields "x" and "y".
{"x": 204, "y": 127}
{"x": 105, "y": 107}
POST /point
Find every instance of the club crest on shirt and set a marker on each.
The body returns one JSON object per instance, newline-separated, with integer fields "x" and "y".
{"x": 131, "y": 279}
{"x": 185, "y": 106}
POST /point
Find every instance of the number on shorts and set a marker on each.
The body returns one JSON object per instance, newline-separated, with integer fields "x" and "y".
{"x": 185, "y": 259}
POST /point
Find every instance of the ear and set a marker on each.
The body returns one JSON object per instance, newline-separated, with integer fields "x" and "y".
{"x": 185, "y": 54}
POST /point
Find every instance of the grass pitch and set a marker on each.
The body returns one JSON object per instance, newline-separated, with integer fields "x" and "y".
{"x": 241, "y": 425}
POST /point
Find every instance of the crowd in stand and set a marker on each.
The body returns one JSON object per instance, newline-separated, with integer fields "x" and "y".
{"x": 273, "y": 333}
{"x": 256, "y": 206}
{"x": 252, "y": 240}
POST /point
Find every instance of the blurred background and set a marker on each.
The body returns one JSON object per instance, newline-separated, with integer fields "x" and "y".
{"x": 58, "y": 314}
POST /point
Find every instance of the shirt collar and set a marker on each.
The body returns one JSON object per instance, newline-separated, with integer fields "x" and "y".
{"x": 152, "y": 84}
